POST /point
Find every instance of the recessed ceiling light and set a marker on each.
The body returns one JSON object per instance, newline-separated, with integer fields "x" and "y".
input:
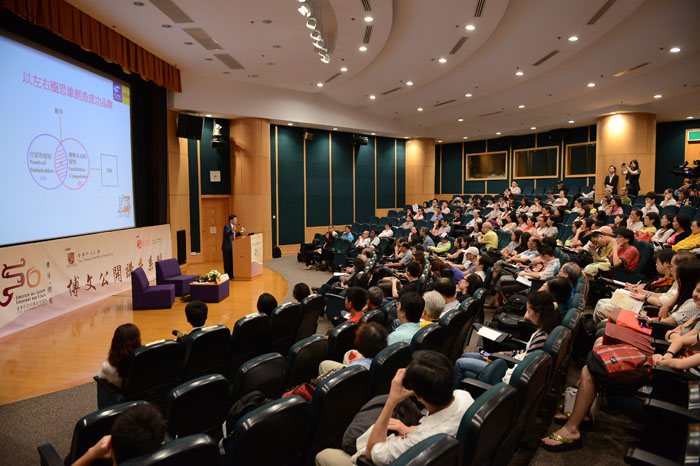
{"x": 465, "y": 137}
{"x": 443, "y": 60}
{"x": 689, "y": 117}
{"x": 469, "y": 27}
{"x": 460, "y": 119}
{"x": 467, "y": 94}
{"x": 138, "y": 3}
{"x": 344, "y": 69}
{"x": 590, "y": 84}
{"x": 188, "y": 43}
{"x": 439, "y": 140}
{"x": 267, "y": 21}
{"x": 208, "y": 59}
{"x": 363, "y": 48}
{"x": 319, "y": 84}
{"x": 420, "y": 109}
{"x": 519, "y": 73}
{"x": 498, "y": 133}
{"x": 658, "y": 96}
{"x": 613, "y": 113}
{"x": 571, "y": 121}
{"x": 409, "y": 83}
{"x": 276, "y": 46}
{"x": 674, "y": 49}
{"x": 290, "y": 124}
{"x": 521, "y": 106}
{"x": 405, "y": 137}
{"x": 368, "y": 19}
{"x": 373, "y": 134}
{"x": 573, "y": 38}
{"x": 372, "y": 97}
{"x": 166, "y": 26}
{"x": 250, "y": 75}
{"x": 207, "y": 115}
{"x": 335, "y": 129}
{"x": 533, "y": 127}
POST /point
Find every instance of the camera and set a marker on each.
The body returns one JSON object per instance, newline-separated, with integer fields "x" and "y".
{"x": 692, "y": 172}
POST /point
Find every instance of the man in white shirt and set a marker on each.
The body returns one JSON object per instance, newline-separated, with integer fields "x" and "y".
{"x": 388, "y": 232}
{"x": 634, "y": 223}
{"x": 515, "y": 189}
{"x": 374, "y": 239}
{"x": 363, "y": 241}
{"x": 650, "y": 203}
{"x": 448, "y": 291}
{"x": 428, "y": 378}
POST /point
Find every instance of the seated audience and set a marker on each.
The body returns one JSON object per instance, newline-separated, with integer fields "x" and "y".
{"x": 668, "y": 198}
{"x": 408, "y": 311}
{"x": 370, "y": 339}
{"x": 489, "y": 239}
{"x": 266, "y": 303}
{"x": 693, "y": 240}
{"x": 300, "y": 292}
{"x": 196, "y": 312}
{"x": 681, "y": 228}
{"x": 126, "y": 339}
{"x": 434, "y": 307}
{"x": 448, "y": 291}
{"x": 664, "y": 233}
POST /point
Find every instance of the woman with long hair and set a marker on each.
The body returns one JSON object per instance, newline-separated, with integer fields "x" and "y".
{"x": 664, "y": 233}
{"x": 632, "y": 174}
{"x": 681, "y": 228}
{"x": 126, "y": 339}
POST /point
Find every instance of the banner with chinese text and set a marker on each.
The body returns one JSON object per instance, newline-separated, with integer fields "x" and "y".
{"x": 40, "y": 281}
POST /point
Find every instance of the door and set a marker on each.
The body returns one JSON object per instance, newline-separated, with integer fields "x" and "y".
{"x": 214, "y": 217}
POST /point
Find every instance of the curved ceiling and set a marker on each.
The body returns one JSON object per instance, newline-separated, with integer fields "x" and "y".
{"x": 280, "y": 68}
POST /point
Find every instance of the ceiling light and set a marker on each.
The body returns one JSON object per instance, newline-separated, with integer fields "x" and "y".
{"x": 590, "y": 84}
{"x": 207, "y": 115}
{"x": 344, "y": 69}
{"x": 573, "y": 38}
{"x": 372, "y": 97}
{"x": 290, "y": 124}
{"x": 304, "y": 9}
{"x": 325, "y": 58}
{"x": 533, "y": 127}
{"x": 674, "y": 49}
{"x": 443, "y": 60}
{"x": 368, "y": 19}
{"x": 319, "y": 84}
{"x": 405, "y": 137}
{"x": 613, "y": 113}
{"x": 469, "y": 27}
{"x": 498, "y": 133}
{"x": 335, "y": 129}
{"x": 467, "y": 94}
{"x": 316, "y": 35}
{"x": 465, "y": 137}
{"x": 658, "y": 96}
{"x": 420, "y": 109}
{"x": 363, "y": 48}
{"x": 519, "y": 73}
{"x": 689, "y": 117}
{"x": 312, "y": 23}
{"x": 460, "y": 119}
{"x": 409, "y": 83}
{"x": 373, "y": 134}
{"x": 571, "y": 121}
{"x": 521, "y": 106}
{"x": 439, "y": 140}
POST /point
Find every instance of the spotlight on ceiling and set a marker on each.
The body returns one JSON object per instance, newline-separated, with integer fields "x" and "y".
{"x": 674, "y": 49}
{"x": 316, "y": 35}
{"x": 521, "y": 106}
{"x": 372, "y": 97}
{"x": 368, "y": 19}
{"x": 344, "y": 69}
{"x": 325, "y": 58}
{"x": 363, "y": 48}
{"x": 469, "y": 27}
{"x": 519, "y": 73}
{"x": 657, "y": 96}
{"x": 573, "y": 38}
{"x": 304, "y": 9}
{"x": 312, "y": 23}
{"x": 443, "y": 60}
{"x": 468, "y": 94}
{"x": 590, "y": 84}
{"x": 409, "y": 83}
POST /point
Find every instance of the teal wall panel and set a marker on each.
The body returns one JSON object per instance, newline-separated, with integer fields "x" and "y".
{"x": 451, "y": 168}
{"x": 670, "y": 152}
{"x": 364, "y": 181}
{"x": 193, "y": 176}
{"x": 318, "y": 181}
{"x": 273, "y": 182}
{"x": 215, "y": 159}
{"x": 290, "y": 143}
{"x": 341, "y": 151}
{"x": 473, "y": 187}
{"x": 386, "y": 173}
{"x": 400, "y": 173}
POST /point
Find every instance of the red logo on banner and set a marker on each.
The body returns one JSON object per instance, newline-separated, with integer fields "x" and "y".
{"x": 21, "y": 278}
{"x": 71, "y": 258}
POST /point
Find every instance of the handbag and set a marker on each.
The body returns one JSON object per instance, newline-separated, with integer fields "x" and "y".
{"x": 628, "y": 319}
{"x": 617, "y": 334}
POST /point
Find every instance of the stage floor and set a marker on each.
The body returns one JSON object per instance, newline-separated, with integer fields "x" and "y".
{"x": 69, "y": 350}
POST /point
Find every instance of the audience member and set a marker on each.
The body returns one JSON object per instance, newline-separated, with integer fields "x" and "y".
{"x": 266, "y": 303}
{"x": 126, "y": 339}
{"x": 408, "y": 311}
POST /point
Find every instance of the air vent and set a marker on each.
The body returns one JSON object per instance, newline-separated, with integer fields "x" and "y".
{"x": 365, "y": 5}
{"x": 368, "y": 34}
{"x": 201, "y": 36}
{"x": 598, "y": 14}
{"x": 229, "y": 61}
{"x": 634, "y": 68}
{"x": 545, "y": 58}
{"x": 333, "y": 77}
{"x": 479, "y": 8}
{"x": 172, "y": 11}
{"x": 444, "y": 103}
{"x": 492, "y": 113}
{"x": 458, "y": 45}
{"x": 392, "y": 90}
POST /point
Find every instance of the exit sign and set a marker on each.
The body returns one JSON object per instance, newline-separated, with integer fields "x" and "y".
{"x": 694, "y": 135}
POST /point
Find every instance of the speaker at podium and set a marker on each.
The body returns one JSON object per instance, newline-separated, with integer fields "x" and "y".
{"x": 248, "y": 257}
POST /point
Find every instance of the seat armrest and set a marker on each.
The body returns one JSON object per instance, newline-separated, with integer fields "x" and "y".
{"x": 474, "y": 387}
{"x": 107, "y": 386}
{"x": 511, "y": 361}
{"x": 661, "y": 346}
{"x": 679, "y": 414}
{"x": 636, "y": 456}
{"x": 652, "y": 311}
{"x": 667, "y": 372}
{"x": 49, "y": 456}
{"x": 363, "y": 461}
{"x": 659, "y": 329}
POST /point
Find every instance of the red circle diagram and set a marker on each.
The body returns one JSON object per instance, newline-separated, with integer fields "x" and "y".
{"x": 72, "y": 163}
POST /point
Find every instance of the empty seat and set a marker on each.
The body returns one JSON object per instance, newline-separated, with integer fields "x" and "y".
{"x": 168, "y": 272}
{"x": 248, "y": 340}
{"x": 206, "y": 352}
{"x": 196, "y": 449}
{"x": 384, "y": 367}
{"x": 471, "y": 306}
{"x": 152, "y": 371}
{"x": 341, "y": 340}
{"x": 335, "y": 402}
{"x": 311, "y": 309}
{"x": 430, "y": 337}
{"x": 335, "y": 304}
{"x": 198, "y": 407}
{"x": 283, "y": 327}
{"x": 270, "y": 434}
{"x": 303, "y": 360}
{"x": 87, "y": 432}
{"x": 263, "y": 373}
{"x": 454, "y": 321}
{"x": 150, "y": 297}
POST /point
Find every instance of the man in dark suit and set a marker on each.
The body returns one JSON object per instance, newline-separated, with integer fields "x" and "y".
{"x": 227, "y": 245}
{"x": 196, "y": 313}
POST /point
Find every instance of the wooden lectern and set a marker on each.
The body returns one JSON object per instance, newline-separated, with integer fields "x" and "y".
{"x": 248, "y": 257}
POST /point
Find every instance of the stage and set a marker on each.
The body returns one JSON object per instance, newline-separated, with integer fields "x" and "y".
{"x": 68, "y": 350}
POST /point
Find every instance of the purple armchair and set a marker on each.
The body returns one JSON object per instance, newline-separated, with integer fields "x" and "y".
{"x": 150, "y": 297}
{"x": 168, "y": 271}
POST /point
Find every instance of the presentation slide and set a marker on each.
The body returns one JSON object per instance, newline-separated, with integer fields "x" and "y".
{"x": 66, "y": 156}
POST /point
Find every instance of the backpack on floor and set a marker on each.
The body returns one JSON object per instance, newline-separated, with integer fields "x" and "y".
{"x": 620, "y": 366}
{"x": 277, "y": 252}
